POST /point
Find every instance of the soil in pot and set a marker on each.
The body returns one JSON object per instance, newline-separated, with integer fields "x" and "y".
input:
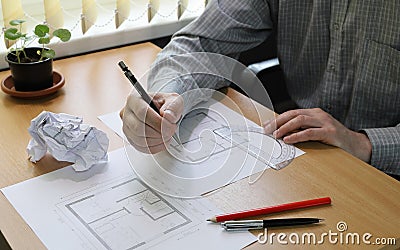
{"x": 30, "y": 74}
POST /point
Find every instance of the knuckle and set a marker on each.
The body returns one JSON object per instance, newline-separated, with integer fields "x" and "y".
{"x": 318, "y": 110}
{"x": 331, "y": 130}
{"x": 309, "y": 133}
{"x": 295, "y": 112}
{"x": 295, "y": 136}
{"x": 302, "y": 119}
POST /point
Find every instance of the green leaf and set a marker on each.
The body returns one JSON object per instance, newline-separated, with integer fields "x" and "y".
{"x": 41, "y": 30}
{"x": 63, "y": 34}
{"x": 26, "y": 38}
{"x": 49, "y": 53}
{"x": 44, "y": 40}
{"x": 16, "y": 22}
{"x": 12, "y": 34}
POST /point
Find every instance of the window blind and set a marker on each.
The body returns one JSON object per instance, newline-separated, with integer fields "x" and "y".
{"x": 100, "y": 24}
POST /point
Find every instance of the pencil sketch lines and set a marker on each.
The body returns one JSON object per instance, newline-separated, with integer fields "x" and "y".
{"x": 125, "y": 215}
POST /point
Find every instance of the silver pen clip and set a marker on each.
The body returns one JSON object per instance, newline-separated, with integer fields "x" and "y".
{"x": 242, "y": 225}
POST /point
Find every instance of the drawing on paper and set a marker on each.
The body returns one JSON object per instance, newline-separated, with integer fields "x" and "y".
{"x": 113, "y": 214}
{"x": 217, "y": 136}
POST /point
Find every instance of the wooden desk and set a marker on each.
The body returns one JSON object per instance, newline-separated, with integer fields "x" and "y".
{"x": 365, "y": 198}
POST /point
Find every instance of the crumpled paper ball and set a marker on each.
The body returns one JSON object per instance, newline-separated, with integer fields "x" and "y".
{"x": 67, "y": 138}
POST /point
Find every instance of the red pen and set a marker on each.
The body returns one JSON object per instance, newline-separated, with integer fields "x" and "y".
{"x": 272, "y": 209}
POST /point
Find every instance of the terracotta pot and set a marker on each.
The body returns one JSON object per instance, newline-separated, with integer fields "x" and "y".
{"x": 31, "y": 75}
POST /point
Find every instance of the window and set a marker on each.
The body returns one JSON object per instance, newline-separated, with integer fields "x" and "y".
{"x": 99, "y": 24}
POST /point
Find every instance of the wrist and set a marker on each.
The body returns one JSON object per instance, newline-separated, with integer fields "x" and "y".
{"x": 361, "y": 146}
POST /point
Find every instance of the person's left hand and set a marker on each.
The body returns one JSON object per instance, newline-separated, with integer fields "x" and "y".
{"x": 316, "y": 125}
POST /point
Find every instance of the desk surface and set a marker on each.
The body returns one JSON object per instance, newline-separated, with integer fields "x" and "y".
{"x": 363, "y": 197}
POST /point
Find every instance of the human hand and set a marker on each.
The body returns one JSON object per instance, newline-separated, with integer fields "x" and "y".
{"x": 145, "y": 129}
{"x": 316, "y": 125}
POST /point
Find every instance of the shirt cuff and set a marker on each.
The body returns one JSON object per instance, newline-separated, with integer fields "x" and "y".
{"x": 385, "y": 148}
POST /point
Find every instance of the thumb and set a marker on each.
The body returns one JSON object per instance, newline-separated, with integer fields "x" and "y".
{"x": 172, "y": 108}
{"x": 171, "y": 116}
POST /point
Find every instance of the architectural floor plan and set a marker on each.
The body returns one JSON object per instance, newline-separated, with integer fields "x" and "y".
{"x": 217, "y": 146}
{"x": 112, "y": 214}
{"x": 109, "y": 207}
{"x": 197, "y": 145}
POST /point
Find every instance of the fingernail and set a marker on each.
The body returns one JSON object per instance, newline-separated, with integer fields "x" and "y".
{"x": 287, "y": 139}
{"x": 172, "y": 115}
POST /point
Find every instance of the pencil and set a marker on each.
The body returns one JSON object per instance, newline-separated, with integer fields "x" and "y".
{"x": 271, "y": 209}
{"x": 141, "y": 91}
{"x": 137, "y": 86}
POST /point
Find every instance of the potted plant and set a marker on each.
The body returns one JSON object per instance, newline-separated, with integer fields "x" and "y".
{"x": 32, "y": 67}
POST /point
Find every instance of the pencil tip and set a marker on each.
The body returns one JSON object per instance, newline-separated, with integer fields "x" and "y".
{"x": 212, "y": 220}
{"x": 321, "y": 220}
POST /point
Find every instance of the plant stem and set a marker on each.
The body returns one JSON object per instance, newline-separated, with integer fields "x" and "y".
{"x": 41, "y": 53}
{"x": 17, "y": 54}
{"x": 16, "y": 45}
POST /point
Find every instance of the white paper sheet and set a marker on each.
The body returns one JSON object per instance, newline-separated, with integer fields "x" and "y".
{"x": 108, "y": 207}
{"x": 210, "y": 156}
{"x": 67, "y": 138}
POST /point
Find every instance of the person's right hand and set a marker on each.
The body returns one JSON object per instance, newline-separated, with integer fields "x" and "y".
{"x": 146, "y": 130}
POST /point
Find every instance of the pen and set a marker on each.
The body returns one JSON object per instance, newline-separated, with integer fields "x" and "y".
{"x": 241, "y": 225}
{"x": 271, "y": 209}
{"x": 140, "y": 90}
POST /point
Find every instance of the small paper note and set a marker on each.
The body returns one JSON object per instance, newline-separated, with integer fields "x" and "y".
{"x": 67, "y": 138}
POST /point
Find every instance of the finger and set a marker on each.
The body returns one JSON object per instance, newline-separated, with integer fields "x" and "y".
{"x": 283, "y": 118}
{"x": 137, "y": 106}
{"x": 269, "y": 126}
{"x": 273, "y": 124}
{"x": 146, "y": 139}
{"x": 171, "y": 116}
{"x": 296, "y": 123}
{"x": 158, "y": 99}
{"x": 158, "y": 123}
{"x": 132, "y": 125}
{"x": 147, "y": 144}
{"x": 310, "y": 134}
{"x": 172, "y": 108}
{"x": 289, "y": 115}
{"x": 136, "y": 129}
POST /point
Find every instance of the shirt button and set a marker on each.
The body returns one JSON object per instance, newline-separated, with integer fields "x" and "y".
{"x": 336, "y": 26}
{"x": 332, "y": 68}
